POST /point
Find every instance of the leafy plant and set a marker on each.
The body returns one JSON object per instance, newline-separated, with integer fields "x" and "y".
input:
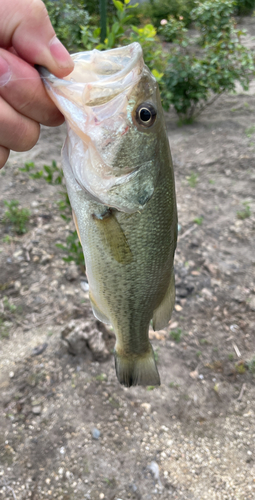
{"x": 156, "y": 10}
{"x": 53, "y": 175}
{"x": 250, "y": 131}
{"x": 196, "y": 77}
{"x": 121, "y": 32}
{"x": 176, "y": 335}
{"x": 213, "y": 20}
{"x": 244, "y": 214}
{"x": 251, "y": 365}
{"x": 73, "y": 249}
{"x": 192, "y": 179}
{"x": 8, "y": 306}
{"x": 244, "y": 7}
{"x": 198, "y": 220}
{"x": 4, "y": 333}
{"x": 68, "y": 18}
{"x": 120, "y": 23}
{"x": 16, "y": 217}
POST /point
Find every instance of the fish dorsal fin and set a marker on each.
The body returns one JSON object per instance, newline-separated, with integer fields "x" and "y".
{"x": 162, "y": 315}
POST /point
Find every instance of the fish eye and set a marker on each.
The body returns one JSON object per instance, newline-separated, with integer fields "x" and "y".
{"x": 146, "y": 114}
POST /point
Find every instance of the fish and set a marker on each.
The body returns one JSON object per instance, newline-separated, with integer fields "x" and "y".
{"x": 119, "y": 175}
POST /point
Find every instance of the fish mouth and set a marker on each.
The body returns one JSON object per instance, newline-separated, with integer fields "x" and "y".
{"x": 98, "y": 76}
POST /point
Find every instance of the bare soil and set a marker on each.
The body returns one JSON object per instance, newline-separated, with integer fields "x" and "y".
{"x": 68, "y": 430}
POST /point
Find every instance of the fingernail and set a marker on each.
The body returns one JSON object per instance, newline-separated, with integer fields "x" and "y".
{"x": 60, "y": 54}
{"x": 5, "y": 72}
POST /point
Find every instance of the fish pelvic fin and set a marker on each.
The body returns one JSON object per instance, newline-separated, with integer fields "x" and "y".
{"x": 162, "y": 315}
{"x": 137, "y": 369}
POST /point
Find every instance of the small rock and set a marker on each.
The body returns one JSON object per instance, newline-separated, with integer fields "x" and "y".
{"x": 178, "y": 308}
{"x": 174, "y": 325}
{"x": 45, "y": 259}
{"x": 239, "y": 294}
{"x": 17, "y": 286}
{"x": 72, "y": 272}
{"x": 34, "y": 204}
{"x": 11, "y": 374}
{"x": 95, "y": 433}
{"x": 39, "y": 349}
{"x": 154, "y": 468}
{"x": 181, "y": 292}
{"x": 61, "y": 471}
{"x": 37, "y": 410}
{"x": 147, "y": 407}
{"x": 207, "y": 293}
{"x": 84, "y": 286}
{"x": 194, "y": 374}
{"x": 251, "y": 303}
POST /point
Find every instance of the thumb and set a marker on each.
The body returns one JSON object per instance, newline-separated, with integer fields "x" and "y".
{"x": 25, "y": 26}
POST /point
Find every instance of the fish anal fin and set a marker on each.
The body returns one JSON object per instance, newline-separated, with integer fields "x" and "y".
{"x": 162, "y": 315}
{"x": 97, "y": 312}
{"x": 114, "y": 238}
{"x": 137, "y": 369}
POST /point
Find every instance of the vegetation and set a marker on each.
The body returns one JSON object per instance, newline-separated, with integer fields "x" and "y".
{"x": 246, "y": 212}
{"x": 16, "y": 218}
{"x": 191, "y": 73}
{"x": 176, "y": 334}
{"x": 197, "y": 75}
{"x": 53, "y": 175}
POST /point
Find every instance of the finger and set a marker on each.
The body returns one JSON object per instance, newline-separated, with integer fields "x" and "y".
{"x": 22, "y": 87}
{"x": 17, "y": 132}
{"x": 25, "y": 26}
{"x": 4, "y": 155}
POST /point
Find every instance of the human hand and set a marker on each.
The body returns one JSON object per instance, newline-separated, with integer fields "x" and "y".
{"x": 27, "y": 38}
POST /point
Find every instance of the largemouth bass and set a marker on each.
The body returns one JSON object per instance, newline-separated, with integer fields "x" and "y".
{"x": 119, "y": 176}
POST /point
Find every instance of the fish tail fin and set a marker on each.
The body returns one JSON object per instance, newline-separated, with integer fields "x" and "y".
{"x": 137, "y": 370}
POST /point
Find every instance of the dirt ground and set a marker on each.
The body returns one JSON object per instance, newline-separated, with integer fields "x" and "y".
{"x": 68, "y": 430}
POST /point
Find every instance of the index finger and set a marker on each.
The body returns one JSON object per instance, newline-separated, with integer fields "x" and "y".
{"x": 25, "y": 25}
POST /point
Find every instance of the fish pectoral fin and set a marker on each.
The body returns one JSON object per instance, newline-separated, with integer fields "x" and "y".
{"x": 97, "y": 312}
{"x": 113, "y": 238}
{"x": 162, "y": 315}
{"x": 76, "y": 225}
{"x": 137, "y": 369}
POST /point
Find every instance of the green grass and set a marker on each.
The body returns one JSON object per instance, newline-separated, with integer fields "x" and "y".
{"x": 176, "y": 334}
{"x": 173, "y": 385}
{"x": 251, "y": 365}
{"x": 203, "y": 341}
{"x": 192, "y": 179}
{"x": 16, "y": 217}
{"x": 250, "y": 131}
{"x": 156, "y": 354}
{"x": 198, "y": 220}
{"x": 245, "y": 213}
{"x": 8, "y": 306}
